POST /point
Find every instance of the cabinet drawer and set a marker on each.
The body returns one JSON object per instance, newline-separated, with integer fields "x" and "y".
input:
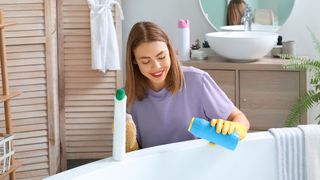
{"x": 266, "y": 97}
{"x": 226, "y": 81}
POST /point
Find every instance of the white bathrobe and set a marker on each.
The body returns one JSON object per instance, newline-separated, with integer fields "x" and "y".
{"x": 104, "y": 44}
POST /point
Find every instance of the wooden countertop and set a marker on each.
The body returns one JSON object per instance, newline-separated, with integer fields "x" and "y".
{"x": 217, "y": 62}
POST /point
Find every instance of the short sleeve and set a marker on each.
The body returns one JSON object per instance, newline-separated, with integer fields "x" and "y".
{"x": 215, "y": 102}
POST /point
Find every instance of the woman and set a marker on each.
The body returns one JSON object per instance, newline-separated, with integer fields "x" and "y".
{"x": 163, "y": 96}
{"x": 235, "y": 12}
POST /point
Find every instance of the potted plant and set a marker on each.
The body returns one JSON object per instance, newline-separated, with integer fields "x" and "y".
{"x": 312, "y": 96}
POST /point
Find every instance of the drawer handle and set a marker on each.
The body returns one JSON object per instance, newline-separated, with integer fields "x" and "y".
{"x": 244, "y": 100}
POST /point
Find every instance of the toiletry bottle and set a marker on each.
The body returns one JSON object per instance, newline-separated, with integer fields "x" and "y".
{"x": 184, "y": 40}
{"x": 277, "y": 50}
{"x": 279, "y": 41}
{"x": 119, "y": 129}
{"x": 201, "y": 128}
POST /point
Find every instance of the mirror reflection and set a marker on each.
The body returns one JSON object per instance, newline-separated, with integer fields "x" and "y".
{"x": 221, "y": 13}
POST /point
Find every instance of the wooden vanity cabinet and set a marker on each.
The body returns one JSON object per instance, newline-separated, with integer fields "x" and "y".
{"x": 263, "y": 90}
{"x": 266, "y": 97}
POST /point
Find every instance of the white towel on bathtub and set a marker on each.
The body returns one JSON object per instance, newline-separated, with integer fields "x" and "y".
{"x": 312, "y": 149}
{"x": 290, "y": 150}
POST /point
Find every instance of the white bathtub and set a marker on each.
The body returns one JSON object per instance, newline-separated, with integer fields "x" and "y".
{"x": 254, "y": 159}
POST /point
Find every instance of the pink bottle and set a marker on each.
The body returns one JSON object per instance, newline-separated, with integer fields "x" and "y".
{"x": 184, "y": 40}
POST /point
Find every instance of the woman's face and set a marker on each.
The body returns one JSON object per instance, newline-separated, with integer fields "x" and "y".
{"x": 154, "y": 61}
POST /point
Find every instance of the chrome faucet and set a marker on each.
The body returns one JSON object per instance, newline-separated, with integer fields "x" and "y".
{"x": 247, "y": 19}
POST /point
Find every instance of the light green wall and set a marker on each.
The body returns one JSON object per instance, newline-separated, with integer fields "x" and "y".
{"x": 281, "y": 8}
{"x": 285, "y": 7}
{"x": 216, "y": 9}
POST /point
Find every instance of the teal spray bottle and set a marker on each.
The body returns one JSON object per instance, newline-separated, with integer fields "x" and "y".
{"x": 201, "y": 128}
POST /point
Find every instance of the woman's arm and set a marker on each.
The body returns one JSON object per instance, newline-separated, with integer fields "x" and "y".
{"x": 238, "y": 116}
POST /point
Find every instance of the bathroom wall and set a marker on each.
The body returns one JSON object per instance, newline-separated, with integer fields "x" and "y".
{"x": 167, "y": 12}
{"x": 302, "y": 17}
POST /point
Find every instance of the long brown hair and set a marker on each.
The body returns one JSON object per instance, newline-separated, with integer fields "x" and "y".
{"x": 236, "y": 9}
{"x": 137, "y": 84}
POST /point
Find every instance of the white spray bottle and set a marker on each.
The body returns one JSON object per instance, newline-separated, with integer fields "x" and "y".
{"x": 119, "y": 129}
{"x": 184, "y": 40}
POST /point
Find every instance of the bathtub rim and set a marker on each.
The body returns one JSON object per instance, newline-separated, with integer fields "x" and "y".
{"x": 152, "y": 151}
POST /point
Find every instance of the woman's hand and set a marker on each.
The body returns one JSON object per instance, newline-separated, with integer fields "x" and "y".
{"x": 228, "y": 127}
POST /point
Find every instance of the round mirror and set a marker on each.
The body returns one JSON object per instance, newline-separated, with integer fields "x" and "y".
{"x": 267, "y": 15}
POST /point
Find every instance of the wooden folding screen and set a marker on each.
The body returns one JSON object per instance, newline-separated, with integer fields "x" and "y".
{"x": 32, "y": 67}
{"x": 86, "y": 96}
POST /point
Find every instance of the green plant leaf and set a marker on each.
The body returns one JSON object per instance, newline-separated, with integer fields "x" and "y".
{"x": 303, "y": 64}
{"x": 311, "y": 97}
{"x": 305, "y": 102}
{"x": 317, "y": 118}
{"x": 315, "y": 40}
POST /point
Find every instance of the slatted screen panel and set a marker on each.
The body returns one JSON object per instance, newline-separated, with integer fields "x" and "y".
{"x": 87, "y": 95}
{"x": 27, "y": 67}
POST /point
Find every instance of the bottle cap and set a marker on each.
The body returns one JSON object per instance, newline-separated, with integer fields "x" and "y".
{"x": 120, "y": 94}
{"x": 183, "y": 23}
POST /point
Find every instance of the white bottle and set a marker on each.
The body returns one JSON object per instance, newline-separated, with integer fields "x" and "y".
{"x": 119, "y": 129}
{"x": 184, "y": 40}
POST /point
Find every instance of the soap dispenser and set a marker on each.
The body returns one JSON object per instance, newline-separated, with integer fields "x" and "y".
{"x": 277, "y": 50}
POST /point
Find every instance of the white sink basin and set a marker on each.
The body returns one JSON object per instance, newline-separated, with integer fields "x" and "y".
{"x": 242, "y": 46}
{"x": 254, "y": 27}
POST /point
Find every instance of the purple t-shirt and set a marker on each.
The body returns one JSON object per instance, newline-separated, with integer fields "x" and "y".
{"x": 163, "y": 118}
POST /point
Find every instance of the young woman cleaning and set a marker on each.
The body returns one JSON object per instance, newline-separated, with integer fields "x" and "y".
{"x": 163, "y": 96}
